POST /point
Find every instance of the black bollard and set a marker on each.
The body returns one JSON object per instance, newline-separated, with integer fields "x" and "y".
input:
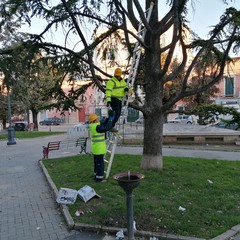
{"x": 11, "y": 136}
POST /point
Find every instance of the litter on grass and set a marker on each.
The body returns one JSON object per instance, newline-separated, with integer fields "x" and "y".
{"x": 69, "y": 196}
{"x": 119, "y": 234}
{"x": 86, "y": 193}
{"x": 66, "y": 196}
{"x": 79, "y": 212}
{"x": 134, "y": 225}
{"x": 181, "y": 209}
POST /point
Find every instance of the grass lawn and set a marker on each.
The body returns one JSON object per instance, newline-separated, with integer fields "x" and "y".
{"x": 23, "y": 134}
{"x": 209, "y": 190}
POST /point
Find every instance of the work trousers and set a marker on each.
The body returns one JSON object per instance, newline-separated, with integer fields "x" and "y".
{"x": 116, "y": 106}
{"x": 98, "y": 167}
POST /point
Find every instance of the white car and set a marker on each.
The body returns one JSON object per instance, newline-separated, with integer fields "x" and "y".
{"x": 182, "y": 119}
{"x": 140, "y": 120}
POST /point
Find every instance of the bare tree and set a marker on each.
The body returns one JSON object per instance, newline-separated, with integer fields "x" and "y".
{"x": 74, "y": 16}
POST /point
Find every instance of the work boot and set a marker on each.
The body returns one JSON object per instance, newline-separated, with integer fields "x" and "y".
{"x": 113, "y": 130}
{"x": 100, "y": 180}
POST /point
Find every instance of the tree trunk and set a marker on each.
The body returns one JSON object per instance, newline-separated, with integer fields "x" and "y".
{"x": 4, "y": 123}
{"x": 35, "y": 121}
{"x": 153, "y": 138}
{"x": 153, "y": 124}
{"x": 152, "y": 109}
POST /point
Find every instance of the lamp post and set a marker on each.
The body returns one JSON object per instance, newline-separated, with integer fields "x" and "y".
{"x": 11, "y": 133}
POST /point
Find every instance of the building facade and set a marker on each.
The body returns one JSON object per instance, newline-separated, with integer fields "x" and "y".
{"x": 229, "y": 86}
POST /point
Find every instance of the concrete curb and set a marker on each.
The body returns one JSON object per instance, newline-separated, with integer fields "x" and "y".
{"x": 228, "y": 234}
{"x": 64, "y": 208}
{"x": 112, "y": 230}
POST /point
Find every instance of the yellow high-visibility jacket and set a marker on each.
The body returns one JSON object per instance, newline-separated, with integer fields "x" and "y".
{"x": 97, "y": 140}
{"x": 115, "y": 88}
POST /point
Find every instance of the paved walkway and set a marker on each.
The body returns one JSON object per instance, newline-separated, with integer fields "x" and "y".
{"x": 27, "y": 208}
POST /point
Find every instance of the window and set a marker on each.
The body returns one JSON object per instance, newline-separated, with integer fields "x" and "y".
{"x": 181, "y": 108}
{"x": 229, "y": 86}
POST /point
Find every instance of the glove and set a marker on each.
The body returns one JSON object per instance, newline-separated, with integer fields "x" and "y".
{"x": 126, "y": 89}
{"x": 108, "y": 104}
{"x": 111, "y": 115}
{"x": 111, "y": 118}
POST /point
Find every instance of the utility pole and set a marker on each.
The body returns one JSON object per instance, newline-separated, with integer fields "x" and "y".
{"x": 11, "y": 132}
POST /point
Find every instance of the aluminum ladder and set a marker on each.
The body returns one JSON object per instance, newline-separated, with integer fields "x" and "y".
{"x": 111, "y": 147}
{"x": 113, "y": 137}
{"x": 135, "y": 62}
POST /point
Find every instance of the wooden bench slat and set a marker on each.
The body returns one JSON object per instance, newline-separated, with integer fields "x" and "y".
{"x": 53, "y": 145}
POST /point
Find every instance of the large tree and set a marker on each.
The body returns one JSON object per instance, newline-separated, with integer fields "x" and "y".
{"x": 32, "y": 77}
{"x": 73, "y": 16}
{"x": 37, "y": 84}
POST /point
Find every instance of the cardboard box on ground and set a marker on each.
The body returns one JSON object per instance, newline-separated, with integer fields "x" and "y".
{"x": 69, "y": 196}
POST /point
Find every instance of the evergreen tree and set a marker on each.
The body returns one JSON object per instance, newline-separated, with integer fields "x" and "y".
{"x": 74, "y": 16}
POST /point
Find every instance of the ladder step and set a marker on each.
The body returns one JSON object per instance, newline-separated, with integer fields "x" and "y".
{"x": 141, "y": 31}
{"x": 136, "y": 50}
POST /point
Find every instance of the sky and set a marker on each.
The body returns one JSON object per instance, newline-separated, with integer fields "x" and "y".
{"x": 208, "y": 13}
{"x": 203, "y": 14}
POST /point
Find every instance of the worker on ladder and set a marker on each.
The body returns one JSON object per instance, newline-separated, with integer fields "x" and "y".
{"x": 116, "y": 89}
{"x": 118, "y": 92}
{"x": 98, "y": 143}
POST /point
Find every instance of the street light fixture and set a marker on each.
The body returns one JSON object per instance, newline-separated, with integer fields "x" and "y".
{"x": 11, "y": 133}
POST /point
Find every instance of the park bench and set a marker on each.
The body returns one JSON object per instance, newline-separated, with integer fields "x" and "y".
{"x": 65, "y": 144}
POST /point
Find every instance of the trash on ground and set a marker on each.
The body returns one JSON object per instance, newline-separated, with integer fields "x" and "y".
{"x": 181, "y": 209}
{"x": 79, "y": 212}
{"x": 119, "y": 234}
{"x": 86, "y": 193}
{"x": 210, "y": 181}
{"x": 134, "y": 225}
{"x": 153, "y": 238}
{"x": 66, "y": 196}
{"x": 69, "y": 196}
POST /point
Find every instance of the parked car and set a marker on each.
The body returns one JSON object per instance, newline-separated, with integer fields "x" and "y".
{"x": 20, "y": 126}
{"x": 182, "y": 119}
{"x": 233, "y": 126}
{"x": 140, "y": 120}
{"x": 51, "y": 121}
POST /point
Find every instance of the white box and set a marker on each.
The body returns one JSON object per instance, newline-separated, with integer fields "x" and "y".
{"x": 86, "y": 193}
{"x": 67, "y": 196}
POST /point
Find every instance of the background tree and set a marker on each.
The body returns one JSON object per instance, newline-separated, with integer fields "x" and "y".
{"x": 33, "y": 78}
{"x": 203, "y": 71}
{"x": 3, "y": 110}
{"x": 72, "y": 15}
{"x": 211, "y": 113}
{"x": 37, "y": 85}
